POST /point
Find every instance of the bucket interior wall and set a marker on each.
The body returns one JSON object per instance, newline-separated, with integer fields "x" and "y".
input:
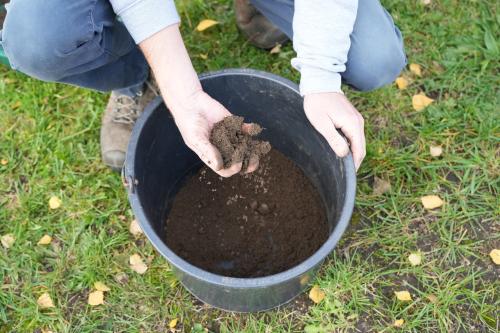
{"x": 163, "y": 162}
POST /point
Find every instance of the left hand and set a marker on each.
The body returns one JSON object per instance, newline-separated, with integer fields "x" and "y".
{"x": 332, "y": 112}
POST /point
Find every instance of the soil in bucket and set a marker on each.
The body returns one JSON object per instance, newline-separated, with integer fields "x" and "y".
{"x": 248, "y": 225}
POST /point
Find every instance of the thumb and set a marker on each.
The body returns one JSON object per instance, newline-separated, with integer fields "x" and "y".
{"x": 325, "y": 127}
{"x": 209, "y": 155}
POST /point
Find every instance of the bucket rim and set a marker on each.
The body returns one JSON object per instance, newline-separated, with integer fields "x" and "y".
{"x": 235, "y": 282}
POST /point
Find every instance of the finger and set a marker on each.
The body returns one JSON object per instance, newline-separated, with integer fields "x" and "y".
{"x": 251, "y": 129}
{"x": 325, "y": 127}
{"x": 231, "y": 171}
{"x": 208, "y": 154}
{"x": 253, "y": 164}
{"x": 356, "y": 138}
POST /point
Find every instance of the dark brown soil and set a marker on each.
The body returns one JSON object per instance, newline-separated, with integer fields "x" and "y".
{"x": 248, "y": 225}
{"x": 235, "y": 145}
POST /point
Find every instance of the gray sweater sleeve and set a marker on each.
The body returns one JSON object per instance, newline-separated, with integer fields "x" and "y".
{"x": 321, "y": 38}
{"x": 144, "y": 18}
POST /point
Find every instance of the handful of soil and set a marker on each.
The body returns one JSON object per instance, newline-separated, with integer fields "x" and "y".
{"x": 235, "y": 145}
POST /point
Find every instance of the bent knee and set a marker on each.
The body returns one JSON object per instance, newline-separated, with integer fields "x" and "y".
{"x": 378, "y": 69}
{"x": 37, "y": 38}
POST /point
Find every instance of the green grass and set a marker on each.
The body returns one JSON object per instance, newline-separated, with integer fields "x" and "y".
{"x": 49, "y": 135}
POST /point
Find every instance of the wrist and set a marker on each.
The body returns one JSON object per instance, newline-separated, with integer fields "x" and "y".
{"x": 182, "y": 101}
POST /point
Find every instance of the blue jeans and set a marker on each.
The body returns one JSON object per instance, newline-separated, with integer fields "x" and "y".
{"x": 81, "y": 42}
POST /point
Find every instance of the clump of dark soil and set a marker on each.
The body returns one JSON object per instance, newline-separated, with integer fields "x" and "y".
{"x": 249, "y": 225}
{"x": 236, "y": 145}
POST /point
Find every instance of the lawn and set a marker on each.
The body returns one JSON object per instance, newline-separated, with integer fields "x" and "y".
{"x": 50, "y": 147}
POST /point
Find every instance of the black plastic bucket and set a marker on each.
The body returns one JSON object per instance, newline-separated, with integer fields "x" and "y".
{"x": 158, "y": 162}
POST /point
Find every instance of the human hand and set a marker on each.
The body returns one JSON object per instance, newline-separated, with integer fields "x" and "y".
{"x": 195, "y": 119}
{"x": 332, "y": 112}
{"x": 195, "y": 112}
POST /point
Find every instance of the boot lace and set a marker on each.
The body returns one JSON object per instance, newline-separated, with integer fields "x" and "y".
{"x": 127, "y": 109}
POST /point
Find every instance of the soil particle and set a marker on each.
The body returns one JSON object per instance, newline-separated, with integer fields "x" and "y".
{"x": 235, "y": 145}
{"x": 275, "y": 220}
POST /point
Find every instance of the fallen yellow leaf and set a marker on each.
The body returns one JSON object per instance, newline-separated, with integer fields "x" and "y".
{"x": 431, "y": 201}
{"x": 137, "y": 264}
{"x": 398, "y": 322}
{"x": 495, "y": 256}
{"x": 415, "y": 259}
{"x": 436, "y": 151}
{"x": 135, "y": 228}
{"x": 416, "y": 69}
{"x": 204, "y": 56}
{"x": 205, "y": 24}
{"x": 276, "y": 49}
{"x": 420, "y": 102}
{"x": 44, "y": 301}
{"x": 402, "y": 83}
{"x": 316, "y": 294}
{"x": 380, "y": 186}
{"x": 45, "y": 240}
{"x": 403, "y": 295}
{"x": 16, "y": 105}
{"x": 54, "y": 202}
{"x": 4, "y": 161}
{"x": 7, "y": 240}
{"x": 172, "y": 323}
{"x": 101, "y": 286}
{"x": 432, "y": 298}
{"x": 96, "y": 298}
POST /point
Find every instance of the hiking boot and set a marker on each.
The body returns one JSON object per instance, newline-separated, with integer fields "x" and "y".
{"x": 257, "y": 28}
{"x": 118, "y": 120}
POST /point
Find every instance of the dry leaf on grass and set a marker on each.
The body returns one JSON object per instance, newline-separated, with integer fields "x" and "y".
{"x": 398, "y": 322}
{"x": 96, "y": 298}
{"x": 380, "y": 186}
{"x": 204, "y": 56}
{"x": 101, "y": 286}
{"x": 425, "y": 2}
{"x": 16, "y": 105}
{"x": 415, "y": 259}
{"x": 416, "y": 69}
{"x": 4, "y": 161}
{"x": 45, "y": 240}
{"x": 137, "y": 264}
{"x": 436, "y": 151}
{"x": 276, "y": 49}
{"x": 44, "y": 301}
{"x": 54, "y": 202}
{"x": 316, "y": 294}
{"x": 402, "y": 83}
{"x": 420, "y": 102}
{"x": 432, "y": 298}
{"x": 495, "y": 256}
{"x": 134, "y": 228}
{"x": 431, "y": 201}
{"x": 205, "y": 24}
{"x": 172, "y": 323}
{"x": 403, "y": 296}
{"x": 8, "y": 240}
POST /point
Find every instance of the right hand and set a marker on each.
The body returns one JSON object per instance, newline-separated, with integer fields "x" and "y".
{"x": 195, "y": 118}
